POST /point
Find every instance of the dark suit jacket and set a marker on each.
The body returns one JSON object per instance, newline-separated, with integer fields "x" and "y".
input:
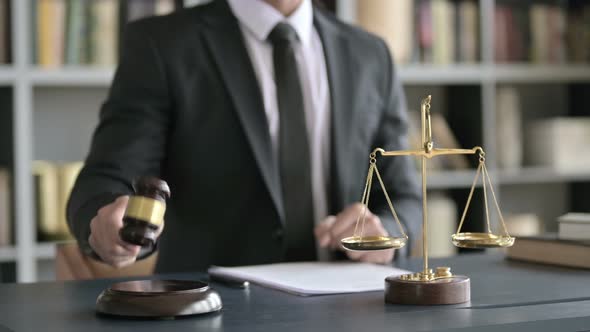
{"x": 185, "y": 106}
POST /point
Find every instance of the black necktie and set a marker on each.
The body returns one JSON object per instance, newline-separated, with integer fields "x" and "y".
{"x": 294, "y": 159}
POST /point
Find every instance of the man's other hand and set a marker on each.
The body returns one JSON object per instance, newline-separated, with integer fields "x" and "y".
{"x": 334, "y": 228}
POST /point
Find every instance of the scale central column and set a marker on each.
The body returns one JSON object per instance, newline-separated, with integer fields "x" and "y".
{"x": 424, "y": 218}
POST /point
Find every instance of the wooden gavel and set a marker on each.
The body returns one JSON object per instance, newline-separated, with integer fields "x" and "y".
{"x": 145, "y": 211}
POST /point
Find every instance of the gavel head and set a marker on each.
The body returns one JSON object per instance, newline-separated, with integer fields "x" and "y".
{"x": 152, "y": 187}
{"x": 145, "y": 211}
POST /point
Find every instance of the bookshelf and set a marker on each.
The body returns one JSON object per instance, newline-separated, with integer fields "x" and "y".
{"x": 45, "y": 251}
{"x": 7, "y": 75}
{"x": 7, "y": 254}
{"x": 43, "y": 101}
{"x": 411, "y": 74}
{"x": 75, "y": 77}
{"x": 530, "y": 74}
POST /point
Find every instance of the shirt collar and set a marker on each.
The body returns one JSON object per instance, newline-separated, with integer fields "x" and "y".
{"x": 260, "y": 18}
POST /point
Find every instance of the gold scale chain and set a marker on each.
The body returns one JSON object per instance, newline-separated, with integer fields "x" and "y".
{"x": 483, "y": 171}
{"x": 373, "y": 170}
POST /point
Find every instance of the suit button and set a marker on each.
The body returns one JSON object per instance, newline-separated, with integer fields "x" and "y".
{"x": 278, "y": 234}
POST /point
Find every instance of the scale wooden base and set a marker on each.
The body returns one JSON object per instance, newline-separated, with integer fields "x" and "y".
{"x": 445, "y": 290}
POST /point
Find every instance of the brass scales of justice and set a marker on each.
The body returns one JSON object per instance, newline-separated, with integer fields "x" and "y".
{"x": 428, "y": 287}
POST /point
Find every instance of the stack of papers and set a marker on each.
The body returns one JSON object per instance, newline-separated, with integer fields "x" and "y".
{"x": 313, "y": 278}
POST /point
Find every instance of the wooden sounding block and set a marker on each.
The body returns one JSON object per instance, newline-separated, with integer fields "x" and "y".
{"x": 158, "y": 299}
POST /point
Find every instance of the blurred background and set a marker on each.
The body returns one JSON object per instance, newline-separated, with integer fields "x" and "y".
{"x": 511, "y": 76}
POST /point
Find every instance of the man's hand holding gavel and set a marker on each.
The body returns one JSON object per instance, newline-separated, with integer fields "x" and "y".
{"x": 104, "y": 235}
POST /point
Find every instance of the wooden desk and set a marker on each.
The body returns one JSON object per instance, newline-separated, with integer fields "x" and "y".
{"x": 518, "y": 296}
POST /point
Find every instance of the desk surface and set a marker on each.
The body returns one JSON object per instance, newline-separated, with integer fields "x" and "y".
{"x": 518, "y": 296}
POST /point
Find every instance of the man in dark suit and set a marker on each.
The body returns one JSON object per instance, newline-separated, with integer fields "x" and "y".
{"x": 260, "y": 115}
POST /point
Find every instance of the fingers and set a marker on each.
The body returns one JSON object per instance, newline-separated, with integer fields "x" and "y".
{"x": 104, "y": 235}
{"x": 128, "y": 247}
{"x": 345, "y": 223}
{"x": 114, "y": 253}
{"x": 115, "y": 211}
{"x": 375, "y": 257}
{"x": 372, "y": 226}
{"x": 123, "y": 262}
{"x": 159, "y": 231}
{"x": 124, "y": 249}
{"x": 345, "y": 226}
{"x": 334, "y": 228}
{"x": 322, "y": 231}
{"x": 354, "y": 255}
{"x": 348, "y": 218}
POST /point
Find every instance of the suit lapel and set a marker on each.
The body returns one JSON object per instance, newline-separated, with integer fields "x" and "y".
{"x": 227, "y": 46}
{"x": 337, "y": 53}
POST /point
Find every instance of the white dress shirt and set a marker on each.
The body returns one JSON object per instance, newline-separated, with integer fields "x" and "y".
{"x": 257, "y": 19}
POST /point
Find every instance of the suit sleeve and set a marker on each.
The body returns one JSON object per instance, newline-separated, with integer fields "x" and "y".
{"x": 131, "y": 136}
{"x": 399, "y": 173}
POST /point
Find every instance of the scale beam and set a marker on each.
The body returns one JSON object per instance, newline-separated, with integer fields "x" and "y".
{"x": 424, "y": 153}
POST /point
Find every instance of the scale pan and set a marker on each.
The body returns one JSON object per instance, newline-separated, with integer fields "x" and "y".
{"x": 481, "y": 240}
{"x": 368, "y": 243}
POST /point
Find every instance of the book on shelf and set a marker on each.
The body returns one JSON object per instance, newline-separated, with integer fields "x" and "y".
{"x": 4, "y": 31}
{"x": 509, "y": 127}
{"x": 424, "y": 32}
{"x": 578, "y": 33}
{"x": 393, "y": 21}
{"x": 5, "y": 209}
{"x": 556, "y": 35}
{"x": 523, "y": 224}
{"x": 542, "y": 33}
{"x": 50, "y": 32}
{"x": 84, "y": 32}
{"x": 431, "y": 31}
{"x": 559, "y": 143}
{"x": 501, "y": 33}
{"x": 53, "y": 184}
{"x": 104, "y": 27}
{"x": 443, "y": 31}
{"x": 574, "y": 226}
{"x": 439, "y": 232}
{"x": 77, "y": 28}
{"x": 549, "y": 249}
{"x": 467, "y": 32}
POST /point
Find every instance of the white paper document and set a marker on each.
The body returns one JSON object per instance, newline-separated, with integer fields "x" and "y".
{"x": 312, "y": 278}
